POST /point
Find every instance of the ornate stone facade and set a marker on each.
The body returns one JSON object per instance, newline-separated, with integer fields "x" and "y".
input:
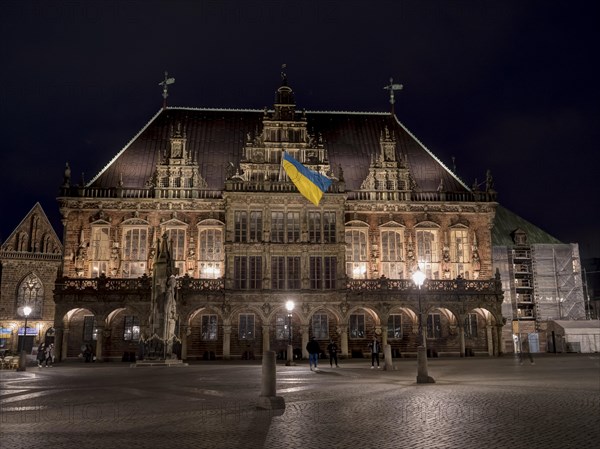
{"x": 244, "y": 241}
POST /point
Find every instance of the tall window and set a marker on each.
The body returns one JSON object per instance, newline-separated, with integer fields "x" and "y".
{"x": 323, "y": 273}
{"x": 392, "y": 265}
{"x": 90, "y": 331}
{"x": 357, "y": 326}
{"x": 459, "y": 250}
{"x": 208, "y": 331}
{"x": 321, "y": 227}
{"x": 240, "y": 219}
{"x": 210, "y": 252}
{"x": 293, "y": 227}
{"x": 320, "y": 326}
{"x": 434, "y": 325}
{"x": 471, "y": 325}
{"x": 314, "y": 227}
{"x": 285, "y": 227}
{"x": 176, "y": 237}
{"x": 394, "y": 327}
{"x": 277, "y": 227}
{"x": 248, "y": 226}
{"x": 247, "y": 272}
{"x": 131, "y": 328}
{"x": 31, "y": 293}
{"x": 285, "y": 273}
{"x": 256, "y": 228}
{"x": 100, "y": 249}
{"x": 356, "y": 253}
{"x": 428, "y": 253}
{"x": 282, "y": 331}
{"x": 329, "y": 227}
{"x": 246, "y": 326}
{"x": 135, "y": 255}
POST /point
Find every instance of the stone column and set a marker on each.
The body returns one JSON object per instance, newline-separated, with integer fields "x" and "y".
{"x": 461, "y": 331}
{"x": 99, "y": 343}
{"x": 304, "y": 333}
{"x": 500, "y": 341}
{"x": 266, "y": 338}
{"x": 490, "y": 339}
{"x": 65, "y": 339}
{"x": 344, "y": 340}
{"x": 227, "y": 342}
{"x": 58, "y": 335}
{"x": 184, "y": 342}
{"x": 384, "y": 335}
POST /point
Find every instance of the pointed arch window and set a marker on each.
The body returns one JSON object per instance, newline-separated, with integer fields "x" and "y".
{"x": 31, "y": 293}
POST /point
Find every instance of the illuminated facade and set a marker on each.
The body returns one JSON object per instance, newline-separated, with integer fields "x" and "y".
{"x": 244, "y": 241}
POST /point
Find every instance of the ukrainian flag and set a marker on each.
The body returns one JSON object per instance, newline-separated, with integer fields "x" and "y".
{"x": 310, "y": 183}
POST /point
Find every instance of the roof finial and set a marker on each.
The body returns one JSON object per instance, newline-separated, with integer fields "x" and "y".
{"x": 283, "y": 75}
{"x": 165, "y": 83}
{"x": 392, "y": 87}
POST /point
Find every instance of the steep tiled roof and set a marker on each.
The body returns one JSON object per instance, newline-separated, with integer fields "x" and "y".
{"x": 506, "y": 222}
{"x": 216, "y": 137}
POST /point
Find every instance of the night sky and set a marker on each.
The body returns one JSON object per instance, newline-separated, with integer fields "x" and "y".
{"x": 510, "y": 86}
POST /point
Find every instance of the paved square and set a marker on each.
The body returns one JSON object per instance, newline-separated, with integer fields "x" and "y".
{"x": 475, "y": 403}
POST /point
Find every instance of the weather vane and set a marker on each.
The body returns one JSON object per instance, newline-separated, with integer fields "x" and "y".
{"x": 283, "y": 74}
{"x": 392, "y": 87}
{"x": 165, "y": 85}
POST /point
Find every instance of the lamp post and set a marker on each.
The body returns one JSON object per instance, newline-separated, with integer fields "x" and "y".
{"x": 422, "y": 374}
{"x": 290, "y": 350}
{"x": 22, "y": 356}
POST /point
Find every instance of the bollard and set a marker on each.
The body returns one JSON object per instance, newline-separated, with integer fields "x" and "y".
{"x": 268, "y": 399}
{"x": 387, "y": 355}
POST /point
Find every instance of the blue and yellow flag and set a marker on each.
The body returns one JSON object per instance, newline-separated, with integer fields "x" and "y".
{"x": 309, "y": 183}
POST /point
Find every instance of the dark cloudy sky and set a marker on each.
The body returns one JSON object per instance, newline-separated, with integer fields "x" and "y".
{"x": 509, "y": 85}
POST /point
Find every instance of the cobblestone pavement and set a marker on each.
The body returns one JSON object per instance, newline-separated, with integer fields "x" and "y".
{"x": 475, "y": 403}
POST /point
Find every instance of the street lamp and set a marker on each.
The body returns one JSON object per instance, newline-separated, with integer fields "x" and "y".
{"x": 422, "y": 374}
{"x": 22, "y": 356}
{"x": 290, "y": 350}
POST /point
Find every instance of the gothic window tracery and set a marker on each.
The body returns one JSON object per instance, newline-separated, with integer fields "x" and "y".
{"x": 31, "y": 293}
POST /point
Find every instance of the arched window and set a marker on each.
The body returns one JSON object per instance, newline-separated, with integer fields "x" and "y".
{"x": 31, "y": 293}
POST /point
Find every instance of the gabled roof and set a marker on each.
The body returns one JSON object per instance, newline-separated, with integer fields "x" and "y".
{"x": 216, "y": 137}
{"x": 36, "y": 226}
{"x": 507, "y": 222}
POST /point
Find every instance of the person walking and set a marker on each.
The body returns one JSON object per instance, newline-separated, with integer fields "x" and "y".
{"x": 375, "y": 347}
{"x": 332, "y": 349}
{"x": 314, "y": 350}
{"x": 41, "y": 354}
{"x": 49, "y": 355}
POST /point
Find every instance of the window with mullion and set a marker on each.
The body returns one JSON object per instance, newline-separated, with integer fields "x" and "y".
{"x": 246, "y": 326}
{"x": 209, "y": 328}
{"x": 314, "y": 227}
{"x": 357, "y": 326}
{"x": 320, "y": 326}
{"x": 394, "y": 327}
